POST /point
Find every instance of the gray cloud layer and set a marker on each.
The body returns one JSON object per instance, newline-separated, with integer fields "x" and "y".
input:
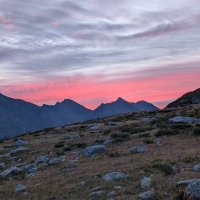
{"x": 45, "y": 39}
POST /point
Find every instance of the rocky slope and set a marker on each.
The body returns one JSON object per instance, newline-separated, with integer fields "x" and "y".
{"x": 187, "y": 99}
{"x": 146, "y": 155}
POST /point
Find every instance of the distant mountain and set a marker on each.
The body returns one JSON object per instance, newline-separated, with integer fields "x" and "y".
{"x": 187, "y": 99}
{"x": 117, "y": 107}
{"x": 18, "y": 117}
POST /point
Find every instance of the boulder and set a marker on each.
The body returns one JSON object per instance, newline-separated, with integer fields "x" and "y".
{"x": 196, "y": 168}
{"x": 180, "y": 119}
{"x": 20, "y": 143}
{"x": 94, "y": 150}
{"x": 31, "y": 168}
{"x": 96, "y": 194}
{"x": 112, "y": 176}
{"x": 56, "y": 161}
{"x": 11, "y": 171}
{"x": 41, "y": 160}
{"x": 146, "y": 183}
{"x": 18, "y": 151}
{"x": 2, "y": 166}
{"x": 138, "y": 149}
{"x": 20, "y": 188}
{"x": 149, "y": 195}
{"x": 192, "y": 188}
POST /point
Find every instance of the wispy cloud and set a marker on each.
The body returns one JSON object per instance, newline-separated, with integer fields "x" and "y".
{"x": 42, "y": 42}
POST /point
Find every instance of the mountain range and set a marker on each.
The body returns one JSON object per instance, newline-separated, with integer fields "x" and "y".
{"x": 18, "y": 116}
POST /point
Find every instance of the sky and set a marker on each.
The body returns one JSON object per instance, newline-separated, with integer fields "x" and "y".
{"x": 94, "y": 51}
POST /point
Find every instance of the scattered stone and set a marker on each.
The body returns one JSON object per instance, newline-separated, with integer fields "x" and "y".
{"x": 82, "y": 183}
{"x": 94, "y": 127}
{"x": 31, "y": 168}
{"x": 96, "y": 194}
{"x": 146, "y": 183}
{"x": 180, "y": 119}
{"x": 138, "y": 149}
{"x": 20, "y": 143}
{"x": 196, "y": 168}
{"x": 111, "y": 194}
{"x": 149, "y": 195}
{"x": 41, "y": 159}
{"x": 2, "y": 166}
{"x": 18, "y": 150}
{"x": 20, "y": 188}
{"x": 158, "y": 142}
{"x": 56, "y": 161}
{"x": 114, "y": 176}
{"x": 193, "y": 190}
{"x": 108, "y": 142}
{"x": 11, "y": 171}
{"x": 94, "y": 150}
{"x": 111, "y": 123}
{"x": 118, "y": 187}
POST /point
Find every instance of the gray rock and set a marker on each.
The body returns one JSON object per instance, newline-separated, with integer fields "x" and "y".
{"x": 11, "y": 171}
{"x": 185, "y": 183}
{"x": 149, "y": 195}
{"x": 108, "y": 142}
{"x": 196, "y": 168}
{"x": 94, "y": 127}
{"x": 180, "y": 119}
{"x": 56, "y": 161}
{"x": 18, "y": 150}
{"x": 41, "y": 160}
{"x": 31, "y": 168}
{"x": 96, "y": 194}
{"x": 193, "y": 190}
{"x": 146, "y": 183}
{"x": 20, "y": 143}
{"x": 82, "y": 183}
{"x": 138, "y": 149}
{"x": 114, "y": 176}
{"x": 94, "y": 150}
{"x": 2, "y": 166}
{"x": 20, "y": 188}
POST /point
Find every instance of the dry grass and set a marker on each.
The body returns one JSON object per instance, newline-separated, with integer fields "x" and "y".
{"x": 61, "y": 183}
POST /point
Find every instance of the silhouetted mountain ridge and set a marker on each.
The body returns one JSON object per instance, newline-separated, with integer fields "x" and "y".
{"x": 19, "y": 117}
{"x": 187, "y": 99}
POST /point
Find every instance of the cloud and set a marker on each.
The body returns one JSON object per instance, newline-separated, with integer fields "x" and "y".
{"x": 108, "y": 40}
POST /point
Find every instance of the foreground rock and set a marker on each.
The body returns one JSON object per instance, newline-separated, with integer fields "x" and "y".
{"x": 196, "y": 168}
{"x": 138, "y": 149}
{"x": 56, "y": 161}
{"x": 114, "y": 176}
{"x": 149, "y": 195}
{"x": 94, "y": 150}
{"x": 41, "y": 160}
{"x": 20, "y": 143}
{"x": 20, "y": 188}
{"x": 11, "y": 171}
{"x": 192, "y": 188}
{"x": 96, "y": 194}
{"x": 146, "y": 183}
{"x": 186, "y": 120}
{"x": 18, "y": 151}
